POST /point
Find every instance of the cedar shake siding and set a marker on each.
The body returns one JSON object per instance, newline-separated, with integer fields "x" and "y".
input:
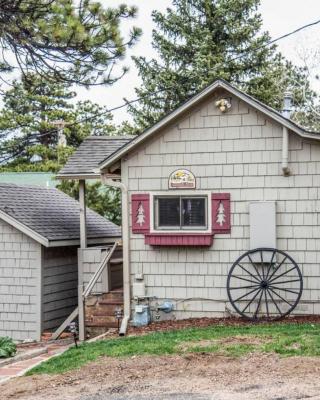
{"x": 60, "y": 285}
{"x": 20, "y": 275}
{"x": 240, "y": 153}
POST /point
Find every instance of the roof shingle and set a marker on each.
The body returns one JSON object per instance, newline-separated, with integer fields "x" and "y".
{"x": 92, "y": 151}
{"x": 51, "y": 213}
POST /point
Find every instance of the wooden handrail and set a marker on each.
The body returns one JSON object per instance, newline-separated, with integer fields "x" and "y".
{"x": 99, "y": 271}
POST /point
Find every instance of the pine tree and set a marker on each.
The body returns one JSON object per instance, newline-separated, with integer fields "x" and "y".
{"x": 28, "y": 133}
{"x": 198, "y": 41}
{"x": 28, "y": 124}
{"x": 65, "y": 40}
{"x": 140, "y": 215}
{"x": 221, "y": 217}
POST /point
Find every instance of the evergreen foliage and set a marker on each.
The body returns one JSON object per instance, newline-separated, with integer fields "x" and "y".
{"x": 27, "y": 130}
{"x": 7, "y": 347}
{"x": 28, "y": 124}
{"x": 198, "y": 41}
{"x": 65, "y": 40}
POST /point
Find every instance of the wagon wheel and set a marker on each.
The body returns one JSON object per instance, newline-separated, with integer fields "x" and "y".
{"x": 264, "y": 284}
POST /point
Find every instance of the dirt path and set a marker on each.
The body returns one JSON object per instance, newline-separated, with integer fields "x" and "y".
{"x": 190, "y": 377}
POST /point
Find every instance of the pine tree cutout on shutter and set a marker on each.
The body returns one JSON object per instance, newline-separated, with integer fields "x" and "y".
{"x": 140, "y": 215}
{"x": 221, "y": 217}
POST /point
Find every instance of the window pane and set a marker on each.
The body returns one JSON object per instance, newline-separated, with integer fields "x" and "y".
{"x": 193, "y": 212}
{"x": 169, "y": 211}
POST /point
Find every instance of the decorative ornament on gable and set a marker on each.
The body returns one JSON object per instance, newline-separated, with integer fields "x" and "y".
{"x": 182, "y": 179}
{"x": 223, "y": 104}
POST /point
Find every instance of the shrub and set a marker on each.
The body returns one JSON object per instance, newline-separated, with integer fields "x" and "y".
{"x": 7, "y": 347}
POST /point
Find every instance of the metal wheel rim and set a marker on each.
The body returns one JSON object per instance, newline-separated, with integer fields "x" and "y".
{"x": 263, "y": 293}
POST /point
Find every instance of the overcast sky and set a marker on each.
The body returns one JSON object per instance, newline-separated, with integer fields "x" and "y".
{"x": 279, "y": 16}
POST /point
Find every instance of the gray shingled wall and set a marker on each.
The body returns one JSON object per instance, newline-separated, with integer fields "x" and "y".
{"x": 20, "y": 261}
{"x": 60, "y": 281}
{"x": 240, "y": 153}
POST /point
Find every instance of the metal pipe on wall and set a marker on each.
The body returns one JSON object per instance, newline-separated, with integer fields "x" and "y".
{"x": 286, "y": 112}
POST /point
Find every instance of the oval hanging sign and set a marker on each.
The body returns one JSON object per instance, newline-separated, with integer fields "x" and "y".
{"x": 182, "y": 179}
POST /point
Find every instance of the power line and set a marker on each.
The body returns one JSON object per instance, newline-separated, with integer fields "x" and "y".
{"x": 127, "y": 103}
{"x": 295, "y": 31}
{"x": 232, "y": 59}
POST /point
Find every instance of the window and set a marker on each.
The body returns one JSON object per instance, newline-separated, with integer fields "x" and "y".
{"x": 180, "y": 212}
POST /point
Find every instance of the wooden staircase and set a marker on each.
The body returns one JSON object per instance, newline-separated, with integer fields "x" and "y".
{"x": 100, "y": 311}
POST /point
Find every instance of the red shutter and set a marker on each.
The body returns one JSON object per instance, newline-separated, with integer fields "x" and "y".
{"x": 140, "y": 213}
{"x": 221, "y": 216}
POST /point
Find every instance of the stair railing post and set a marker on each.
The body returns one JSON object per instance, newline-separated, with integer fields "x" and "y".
{"x": 80, "y": 296}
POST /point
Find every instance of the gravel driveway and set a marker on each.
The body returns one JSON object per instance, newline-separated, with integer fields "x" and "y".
{"x": 189, "y": 377}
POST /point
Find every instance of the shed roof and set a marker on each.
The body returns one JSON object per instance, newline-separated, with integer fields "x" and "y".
{"x": 84, "y": 163}
{"x": 189, "y": 104}
{"x": 50, "y": 216}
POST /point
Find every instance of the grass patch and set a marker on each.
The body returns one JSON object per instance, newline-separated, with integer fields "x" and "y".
{"x": 283, "y": 339}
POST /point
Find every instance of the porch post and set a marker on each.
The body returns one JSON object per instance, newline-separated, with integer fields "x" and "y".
{"x": 83, "y": 245}
{"x": 83, "y": 227}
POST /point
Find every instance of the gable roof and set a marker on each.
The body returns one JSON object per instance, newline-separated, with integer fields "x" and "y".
{"x": 50, "y": 216}
{"x": 84, "y": 163}
{"x": 222, "y": 84}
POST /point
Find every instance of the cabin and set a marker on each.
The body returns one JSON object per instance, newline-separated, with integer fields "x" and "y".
{"x": 220, "y": 210}
{"x": 39, "y": 241}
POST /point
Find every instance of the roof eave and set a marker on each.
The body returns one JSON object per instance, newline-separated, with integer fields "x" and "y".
{"x": 24, "y": 229}
{"x": 194, "y": 100}
{"x": 76, "y": 242}
{"x": 78, "y": 176}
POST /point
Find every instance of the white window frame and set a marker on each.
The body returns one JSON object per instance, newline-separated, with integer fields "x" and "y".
{"x": 183, "y": 193}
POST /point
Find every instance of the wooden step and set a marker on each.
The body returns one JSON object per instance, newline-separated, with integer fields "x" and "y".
{"x": 116, "y": 261}
{"x": 110, "y": 302}
{"x": 95, "y": 324}
{"x": 105, "y": 309}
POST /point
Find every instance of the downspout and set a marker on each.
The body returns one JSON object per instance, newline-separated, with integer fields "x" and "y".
{"x": 125, "y": 246}
{"x": 286, "y": 112}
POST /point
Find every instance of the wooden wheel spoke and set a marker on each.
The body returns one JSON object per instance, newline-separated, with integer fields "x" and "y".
{"x": 284, "y": 290}
{"x": 280, "y": 297}
{"x": 244, "y": 287}
{"x": 267, "y": 305}
{"x": 248, "y": 272}
{"x": 251, "y": 301}
{"x": 255, "y": 267}
{"x": 262, "y": 265}
{"x": 270, "y": 265}
{"x": 278, "y": 283}
{"x": 284, "y": 273}
{"x": 274, "y": 302}
{"x": 278, "y": 267}
{"x": 244, "y": 279}
{"x": 245, "y": 295}
{"x": 258, "y": 306}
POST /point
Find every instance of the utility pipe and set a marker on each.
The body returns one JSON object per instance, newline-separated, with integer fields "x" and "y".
{"x": 286, "y": 112}
{"x": 285, "y": 151}
{"x": 125, "y": 246}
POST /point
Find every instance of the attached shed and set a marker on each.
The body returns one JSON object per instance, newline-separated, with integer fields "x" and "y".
{"x": 39, "y": 238}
